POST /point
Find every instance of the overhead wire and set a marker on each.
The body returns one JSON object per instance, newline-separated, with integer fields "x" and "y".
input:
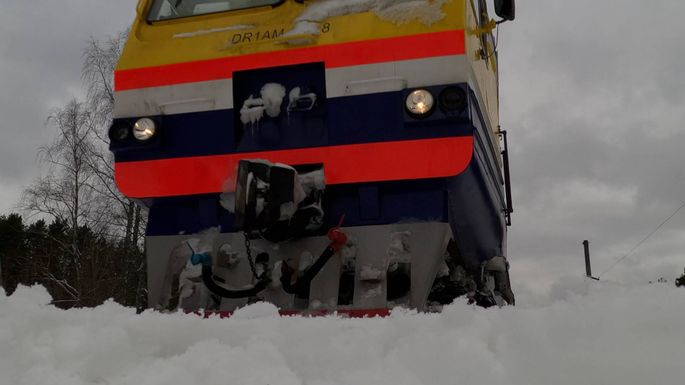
{"x": 642, "y": 241}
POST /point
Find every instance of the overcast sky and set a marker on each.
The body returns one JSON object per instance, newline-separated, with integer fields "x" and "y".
{"x": 593, "y": 97}
{"x": 41, "y": 42}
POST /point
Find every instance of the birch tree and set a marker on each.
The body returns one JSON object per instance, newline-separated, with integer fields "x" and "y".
{"x": 66, "y": 195}
{"x": 79, "y": 191}
{"x": 100, "y": 59}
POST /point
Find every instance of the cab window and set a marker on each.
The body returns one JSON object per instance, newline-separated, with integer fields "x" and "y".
{"x": 174, "y": 9}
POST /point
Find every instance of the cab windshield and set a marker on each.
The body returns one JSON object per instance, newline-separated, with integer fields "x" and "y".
{"x": 174, "y": 9}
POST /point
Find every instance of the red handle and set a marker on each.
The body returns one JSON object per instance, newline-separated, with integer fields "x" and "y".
{"x": 338, "y": 237}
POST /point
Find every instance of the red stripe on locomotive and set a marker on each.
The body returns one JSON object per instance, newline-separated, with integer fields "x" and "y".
{"x": 357, "y": 163}
{"x": 335, "y": 55}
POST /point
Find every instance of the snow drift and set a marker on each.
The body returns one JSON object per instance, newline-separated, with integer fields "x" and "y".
{"x": 590, "y": 333}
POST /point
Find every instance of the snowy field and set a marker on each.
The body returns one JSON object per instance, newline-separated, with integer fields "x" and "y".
{"x": 583, "y": 333}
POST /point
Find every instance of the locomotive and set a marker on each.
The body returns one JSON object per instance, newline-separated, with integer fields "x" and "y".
{"x": 323, "y": 155}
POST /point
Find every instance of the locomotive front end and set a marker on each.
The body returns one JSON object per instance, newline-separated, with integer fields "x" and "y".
{"x": 318, "y": 155}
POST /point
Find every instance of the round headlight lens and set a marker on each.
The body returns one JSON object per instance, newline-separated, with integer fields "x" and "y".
{"x": 420, "y": 102}
{"x": 118, "y": 133}
{"x": 144, "y": 129}
{"x": 453, "y": 99}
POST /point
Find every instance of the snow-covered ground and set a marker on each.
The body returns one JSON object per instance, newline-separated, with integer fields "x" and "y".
{"x": 582, "y": 333}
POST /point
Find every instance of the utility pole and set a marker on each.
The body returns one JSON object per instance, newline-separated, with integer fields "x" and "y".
{"x": 588, "y": 266}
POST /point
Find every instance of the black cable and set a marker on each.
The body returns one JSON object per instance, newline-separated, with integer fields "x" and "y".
{"x": 245, "y": 292}
{"x": 303, "y": 283}
{"x": 496, "y": 43}
{"x": 249, "y": 291}
{"x": 643, "y": 240}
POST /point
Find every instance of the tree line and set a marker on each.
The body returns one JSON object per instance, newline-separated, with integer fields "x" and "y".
{"x": 78, "y": 236}
{"x": 78, "y": 267}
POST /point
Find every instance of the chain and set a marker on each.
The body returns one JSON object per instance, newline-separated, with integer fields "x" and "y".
{"x": 248, "y": 249}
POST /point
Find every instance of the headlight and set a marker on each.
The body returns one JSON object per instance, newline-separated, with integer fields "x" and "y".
{"x": 119, "y": 132}
{"x": 144, "y": 129}
{"x": 420, "y": 103}
{"x": 453, "y": 99}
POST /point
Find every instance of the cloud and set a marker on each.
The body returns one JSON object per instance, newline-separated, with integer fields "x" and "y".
{"x": 591, "y": 96}
{"x": 40, "y": 69}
